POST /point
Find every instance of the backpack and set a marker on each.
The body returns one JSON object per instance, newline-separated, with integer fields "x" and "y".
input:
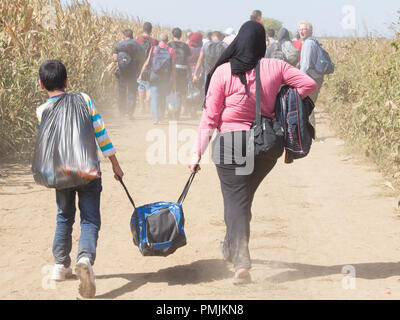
{"x": 162, "y": 64}
{"x": 180, "y": 53}
{"x": 130, "y": 56}
{"x": 292, "y": 55}
{"x": 146, "y": 45}
{"x": 286, "y": 52}
{"x": 214, "y": 51}
{"x": 324, "y": 64}
{"x": 124, "y": 60}
{"x": 293, "y": 114}
{"x": 277, "y": 52}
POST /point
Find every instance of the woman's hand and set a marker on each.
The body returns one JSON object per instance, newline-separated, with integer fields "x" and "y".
{"x": 194, "y": 163}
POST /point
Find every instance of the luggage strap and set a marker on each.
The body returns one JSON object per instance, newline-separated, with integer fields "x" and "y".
{"x": 181, "y": 198}
{"x": 187, "y": 187}
{"x": 127, "y": 192}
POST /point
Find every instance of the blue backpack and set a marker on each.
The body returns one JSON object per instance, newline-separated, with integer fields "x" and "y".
{"x": 293, "y": 114}
{"x": 324, "y": 64}
{"x": 158, "y": 228}
{"x": 161, "y": 65}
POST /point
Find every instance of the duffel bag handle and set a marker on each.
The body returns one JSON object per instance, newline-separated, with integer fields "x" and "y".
{"x": 181, "y": 198}
{"x": 187, "y": 187}
{"x": 127, "y": 192}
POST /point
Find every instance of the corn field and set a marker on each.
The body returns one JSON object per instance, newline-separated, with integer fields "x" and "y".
{"x": 80, "y": 38}
{"x": 364, "y": 96}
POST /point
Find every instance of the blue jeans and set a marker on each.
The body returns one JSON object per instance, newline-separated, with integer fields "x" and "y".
{"x": 158, "y": 101}
{"x": 89, "y": 206}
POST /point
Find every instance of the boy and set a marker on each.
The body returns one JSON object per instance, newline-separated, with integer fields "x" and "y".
{"x": 53, "y": 80}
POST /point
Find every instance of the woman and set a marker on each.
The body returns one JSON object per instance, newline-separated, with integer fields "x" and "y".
{"x": 230, "y": 107}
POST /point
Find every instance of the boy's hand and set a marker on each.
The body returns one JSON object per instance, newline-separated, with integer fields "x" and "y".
{"x": 117, "y": 172}
{"x": 116, "y": 168}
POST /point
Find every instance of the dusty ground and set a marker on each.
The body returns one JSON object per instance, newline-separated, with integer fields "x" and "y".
{"x": 311, "y": 219}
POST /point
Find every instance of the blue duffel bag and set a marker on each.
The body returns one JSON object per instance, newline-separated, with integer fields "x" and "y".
{"x": 158, "y": 228}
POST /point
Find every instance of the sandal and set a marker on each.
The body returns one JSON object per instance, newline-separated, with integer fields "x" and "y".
{"x": 242, "y": 278}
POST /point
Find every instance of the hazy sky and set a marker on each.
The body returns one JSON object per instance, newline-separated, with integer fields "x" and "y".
{"x": 333, "y": 18}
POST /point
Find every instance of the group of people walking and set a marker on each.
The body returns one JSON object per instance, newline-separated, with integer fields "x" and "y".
{"x": 234, "y": 72}
{"x": 155, "y": 68}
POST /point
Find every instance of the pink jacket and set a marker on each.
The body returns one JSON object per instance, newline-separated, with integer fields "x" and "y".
{"x": 228, "y": 108}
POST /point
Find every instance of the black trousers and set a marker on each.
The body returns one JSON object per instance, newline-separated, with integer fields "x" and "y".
{"x": 238, "y": 192}
{"x": 127, "y": 93}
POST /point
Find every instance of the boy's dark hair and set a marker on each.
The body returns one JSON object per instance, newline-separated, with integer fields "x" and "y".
{"x": 147, "y": 27}
{"x": 271, "y": 33}
{"x": 209, "y": 34}
{"x": 177, "y": 33}
{"x": 52, "y": 74}
{"x": 128, "y": 33}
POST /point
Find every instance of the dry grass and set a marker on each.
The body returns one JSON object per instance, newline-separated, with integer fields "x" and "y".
{"x": 364, "y": 96}
{"x": 82, "y": 40}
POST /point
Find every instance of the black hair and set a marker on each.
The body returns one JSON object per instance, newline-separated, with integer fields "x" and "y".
{"x": 219, "y": 35}
{"x": 128, "y": 33}
{"x": 177, "y": 33}
{"x": 271, "y": 33}
{"x": 147, "y": 27}
{"x": 52, "y": 74}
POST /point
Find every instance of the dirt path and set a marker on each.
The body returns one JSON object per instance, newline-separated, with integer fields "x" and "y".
{"x": 310, "y": 220}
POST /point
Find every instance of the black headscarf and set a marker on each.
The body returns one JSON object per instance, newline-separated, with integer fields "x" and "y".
{"x": 244, "y": 52}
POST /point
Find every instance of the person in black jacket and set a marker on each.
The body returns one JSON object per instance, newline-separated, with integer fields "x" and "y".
{"x": 182, "y": 66}
{"x": 130, "y": 56}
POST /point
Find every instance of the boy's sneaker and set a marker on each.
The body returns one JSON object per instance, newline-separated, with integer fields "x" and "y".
{"x": 60, "y": 273}
{"x": 87, "y": 278}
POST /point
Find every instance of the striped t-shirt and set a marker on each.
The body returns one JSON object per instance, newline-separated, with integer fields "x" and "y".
{"x": 102, "y": 138}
